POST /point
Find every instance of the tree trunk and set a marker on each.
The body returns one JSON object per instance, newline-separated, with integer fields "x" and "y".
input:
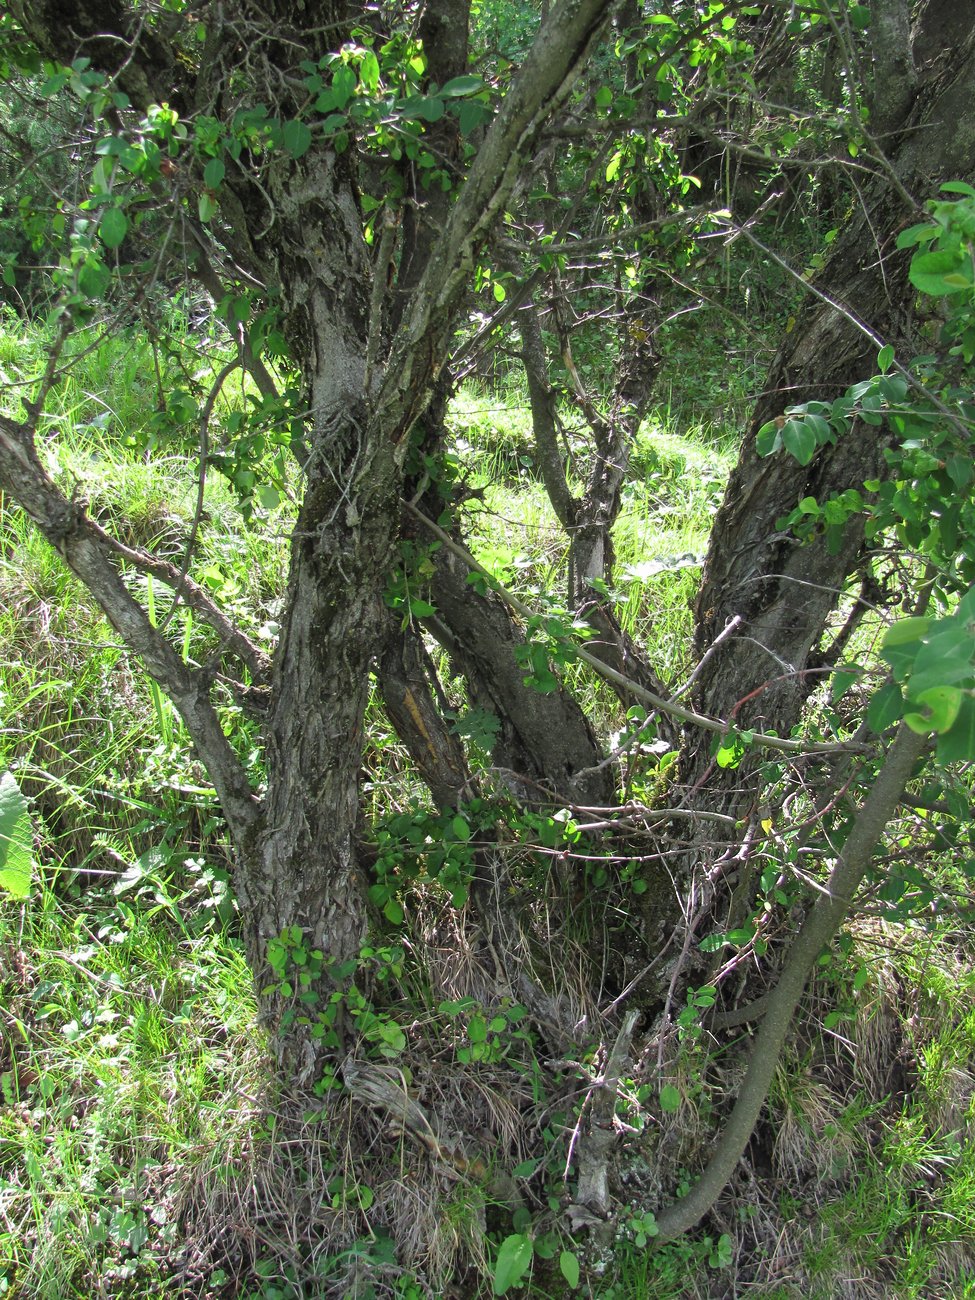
{"x": 782, "y": 591}
{"x": 771, "y": 595}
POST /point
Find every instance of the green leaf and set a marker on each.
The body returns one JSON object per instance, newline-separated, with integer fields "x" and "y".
{"x": 917, "y": 723}
{"x": 113, "y": 227}
{"x": 957, "y": 745}
{"x": 669, "y": 1098}
{"x": 269, "y": 497}
{"x": 943, "y": 704}
{"x": 886, "y": 357}
{"x": 902, "y": 643}
{"x": 93, "y": 278}
{"x": 914, "y": 235}
{"x": 16, "y": 839}
{"x": 297, "y": 138}
{"x": 461, "y": 829}
{"x": 893, "y": 388}
{"x": 472, "y": 114}
{"x": 944, "y": 658}
{"x": 769, "y": 438}
{"x": 886, "y": 708}
{"x": 427, "y": 107}
{"x": 525, "y": 1169}
{"x": 928, "y": 271}
{"x": 905, "y": 630}
{"x": 842, "y": 679}
{"x": 459, "y": 86}
{"x": 213, "y": 173}
{"x": 343, "y": 84}
{"x": 818, "y": 427}
{"x": 799, "y": 440}
{"x": 569, "y": 1264}
{"x": 369, "y": 72}
{"x": 959, "y": 187}
{"x": 514, "y": 1261}
{"x": 206, "y": 205}
{"x": 959, "y": 470}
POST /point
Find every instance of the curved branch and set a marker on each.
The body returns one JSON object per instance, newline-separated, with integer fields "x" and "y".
{"x": 820, "y": 926}
{"x": 782, "y": 743}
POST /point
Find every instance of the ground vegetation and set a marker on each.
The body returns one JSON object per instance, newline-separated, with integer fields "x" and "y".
{"x": 523, "y": 462}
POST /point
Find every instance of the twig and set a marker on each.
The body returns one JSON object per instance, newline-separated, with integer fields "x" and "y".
{"x": 673, "y": 710}
{"x": 208, "y": 406}
{"x": 726, "y": 631}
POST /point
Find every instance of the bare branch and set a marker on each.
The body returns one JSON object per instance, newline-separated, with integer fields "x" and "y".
{"x": 82, "y": 546}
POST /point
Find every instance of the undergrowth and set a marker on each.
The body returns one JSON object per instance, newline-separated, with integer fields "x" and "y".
{"x": 145, "y": 1149}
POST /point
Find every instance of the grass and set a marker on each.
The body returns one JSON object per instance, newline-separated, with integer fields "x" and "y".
{"x": 140, "y": 1128}
{"x": 128, "y": 1037}
{"x": 672, "y": 492}
{"x": 129, "y": 1047}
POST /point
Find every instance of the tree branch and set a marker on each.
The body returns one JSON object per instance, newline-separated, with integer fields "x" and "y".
{"x": 826, "y": 917}
{"x": 83, "y": 547}
{"x": 542, "y": 84}
{"x": 669, "y": 707}
{"x": 194, "y": 597}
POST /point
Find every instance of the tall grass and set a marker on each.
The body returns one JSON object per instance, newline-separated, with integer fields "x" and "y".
{"x": 129, "y": 1049}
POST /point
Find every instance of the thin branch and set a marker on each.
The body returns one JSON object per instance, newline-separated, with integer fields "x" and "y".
{"x": 195, "y": 598}
{"x": 207, "y": 412}
{"x": 781, "y": 743}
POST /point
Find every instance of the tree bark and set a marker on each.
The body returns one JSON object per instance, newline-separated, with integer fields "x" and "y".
{"x": 546, "y": 738}
{"x": 784, "y": 592}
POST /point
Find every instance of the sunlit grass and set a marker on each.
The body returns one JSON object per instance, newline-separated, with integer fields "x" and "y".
{"x": 129, "y": 1050}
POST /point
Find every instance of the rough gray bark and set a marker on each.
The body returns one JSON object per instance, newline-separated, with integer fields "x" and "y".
{"x": 785, "y": 592}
